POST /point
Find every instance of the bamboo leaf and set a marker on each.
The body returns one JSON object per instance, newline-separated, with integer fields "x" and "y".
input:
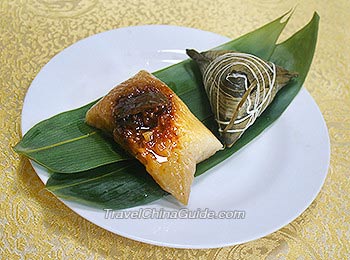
{"x": 295, "y": 54}
{"x": 114, "y": 186}
{"x": 185, "y": 78}
{"x": 259, "y": 42}
{"x": 57, "y": 143}
{"x": 84, "y": 190}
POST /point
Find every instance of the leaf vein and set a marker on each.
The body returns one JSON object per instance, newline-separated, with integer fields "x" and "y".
{"x": 59, "y": 143}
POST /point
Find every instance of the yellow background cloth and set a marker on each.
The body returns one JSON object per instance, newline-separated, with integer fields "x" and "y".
{"x": 34, "y": 224}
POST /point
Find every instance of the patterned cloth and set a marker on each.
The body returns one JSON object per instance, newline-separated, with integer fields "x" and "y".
{"x": 34, "y": 224}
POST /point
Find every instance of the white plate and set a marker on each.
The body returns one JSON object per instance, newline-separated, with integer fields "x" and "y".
{"x": 273, "y": 179}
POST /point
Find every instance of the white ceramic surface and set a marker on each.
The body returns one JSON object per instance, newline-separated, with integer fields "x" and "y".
{"x": 273, "y": 179}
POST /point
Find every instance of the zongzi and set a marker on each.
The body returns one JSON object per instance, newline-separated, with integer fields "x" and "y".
{"x": 152, "y": 123}
{"x": 239, "y": 86}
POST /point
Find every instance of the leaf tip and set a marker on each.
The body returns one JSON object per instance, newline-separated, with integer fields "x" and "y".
{"x": 286, "y": 16}
{"x": 17, "y": 148}
{"x": 48, "y": 188}
{"x": 316, "y": 16}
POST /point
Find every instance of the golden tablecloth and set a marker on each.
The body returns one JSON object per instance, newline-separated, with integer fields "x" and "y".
{"x": 34, "y": 223}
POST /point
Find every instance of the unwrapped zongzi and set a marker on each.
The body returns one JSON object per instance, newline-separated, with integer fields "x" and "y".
{"x": 151, "y": 122}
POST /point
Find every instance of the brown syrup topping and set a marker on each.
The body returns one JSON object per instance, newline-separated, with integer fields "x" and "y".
{"x": 144, "y": 118}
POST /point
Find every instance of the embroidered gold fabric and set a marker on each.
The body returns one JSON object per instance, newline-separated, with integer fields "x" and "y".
{"x": 35, "y": 225}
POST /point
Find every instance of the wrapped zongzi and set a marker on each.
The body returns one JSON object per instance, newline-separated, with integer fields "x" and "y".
{"x": 239, "y": 86}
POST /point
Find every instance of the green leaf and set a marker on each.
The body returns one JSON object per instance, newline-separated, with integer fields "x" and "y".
{"x": 56, "y": 143}
{"x": 78, "y": 191}
{"x": 295, "y": 54}
{"x": 114, "y": 186}
{"x": 64, "y": 143}
{"x": 186, "y": 80}
{"x": 260, "y": 42}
